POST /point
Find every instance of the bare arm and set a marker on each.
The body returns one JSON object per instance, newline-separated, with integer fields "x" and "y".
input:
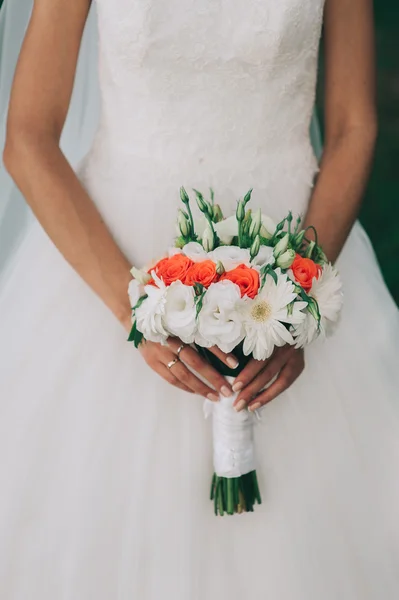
{"x": 39, "y": 103}
{"x": 350, "y": 125}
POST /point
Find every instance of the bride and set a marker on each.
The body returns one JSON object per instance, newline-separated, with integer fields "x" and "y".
{"x": 104, "y": 453}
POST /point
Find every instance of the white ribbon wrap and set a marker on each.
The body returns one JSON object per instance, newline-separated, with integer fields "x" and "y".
{"x": 233, "y": 439}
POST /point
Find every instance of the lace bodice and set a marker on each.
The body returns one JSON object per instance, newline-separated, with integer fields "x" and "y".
{"x": 204, "y": 93}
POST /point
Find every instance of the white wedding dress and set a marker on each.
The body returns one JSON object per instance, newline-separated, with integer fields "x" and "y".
{"x": 105, "y": 468}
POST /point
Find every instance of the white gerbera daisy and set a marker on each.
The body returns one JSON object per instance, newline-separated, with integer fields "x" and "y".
{"x": 327, "y": 291}
{"x": 265, "y": 315}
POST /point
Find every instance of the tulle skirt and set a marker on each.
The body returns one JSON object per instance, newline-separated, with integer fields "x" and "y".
{"x": 105, "y": 468}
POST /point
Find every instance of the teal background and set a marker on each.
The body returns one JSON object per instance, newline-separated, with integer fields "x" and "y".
{"x": 380, "y": 211}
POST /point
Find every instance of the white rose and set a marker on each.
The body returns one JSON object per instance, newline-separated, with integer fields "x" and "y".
{"x": 135, "y": 291}
{"x": 220, "y": 320}
{"x": 180, "y": 311}
{"x": 149, "y": 315}
{"x": 230, "y": 256}
{"x": 265, "y": 256}
{"x": 227, "y": 229}
{"x": 195, "y": 251}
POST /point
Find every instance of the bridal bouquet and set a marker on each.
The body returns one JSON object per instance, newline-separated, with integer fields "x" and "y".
{"x": 246, "y": 285}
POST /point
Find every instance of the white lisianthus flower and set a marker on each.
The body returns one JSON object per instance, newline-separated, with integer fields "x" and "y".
{"x": 200, "y": 224}
{"x": 227, "y": 229}
{"x": 264, "y": 257}
{"x": 208, "y": 240}
{"x": 230, "y": 256}
{"x": 220, "y": 320}
{"x": 149, "y": 315}
{"x": 173, "y": 251}
{"x": 195, "y": 251}
{"x": 180, "y": 311}
{"x": 268, "y": 227}
{"x": 265, "y": 315}
{"x": 135, "y": 291}
{"x": 327, "y": 291}
{"x": 141, "y": 275}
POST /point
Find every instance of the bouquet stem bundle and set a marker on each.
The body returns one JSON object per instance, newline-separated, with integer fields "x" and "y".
{"x": 235, "y": 495}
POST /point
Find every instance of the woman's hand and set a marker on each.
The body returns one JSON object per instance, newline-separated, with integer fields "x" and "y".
{"x": 286, "y": 364}
{"x": 158, "y": 357}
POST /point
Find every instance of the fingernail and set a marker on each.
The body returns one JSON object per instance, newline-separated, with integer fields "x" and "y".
{"x": 213, "y": 397}
{"x": 238, "y": 386}
{"x": 255, "y": 406}
{"x": 232, "y": 362}
{"x": 240, "y": 405}
{"x": 225, "y": 391}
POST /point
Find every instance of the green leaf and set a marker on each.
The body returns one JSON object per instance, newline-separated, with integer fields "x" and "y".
{"x": 140, "y": 301}
{"x": 132, "y": 333}
{"x": 135, "y": 336}
{"x": 273, "y": 273}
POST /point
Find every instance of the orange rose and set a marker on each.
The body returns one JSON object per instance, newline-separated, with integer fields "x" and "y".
{"x": 304, "y": 270}
{"x": 202, "y": 272}
{"x": 246, "y": 278}
{"x": 173, "y": 268}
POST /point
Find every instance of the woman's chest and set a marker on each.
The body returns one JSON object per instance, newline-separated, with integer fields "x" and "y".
{"x": 204, "y": 31}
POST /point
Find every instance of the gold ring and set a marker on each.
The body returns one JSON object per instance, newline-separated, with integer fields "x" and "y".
{"x": 180, "y": 348}
{"x": 172, "y": 362}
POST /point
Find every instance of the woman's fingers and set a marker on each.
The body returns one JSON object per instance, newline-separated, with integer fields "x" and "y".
{"x": 249, "y": 372}
{"x": 166, "y": 374}
{"x": 288, "y": 374}
{"x": 184, "y": 375}
{"x": 191, "y": 358}
{"x": 228, "y": 359}
{"x": 263, "y": 377}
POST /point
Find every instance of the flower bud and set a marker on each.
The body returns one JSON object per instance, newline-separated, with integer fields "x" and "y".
{"x": 220, "y": 268}
{"x": 254, "y": 250}
{"x": 217, "y": 213}
{"x": 180, "y": 242}
{"x": 309, "y": 249}
{"x": 140, "y": 276}
{"x": 202, "y": 205}
{"x": 285, "y": 260}
{"x": 183, "y": 222}
{"x": 247, "y": 197}
{"x": 298, "y": 239}
{"x": 255, "y": 224}
{"x": 240, "y": 212}
{"x": 183, "y": 195}
{"x": 208, "y": 239}
{"x": 282, "y": 246}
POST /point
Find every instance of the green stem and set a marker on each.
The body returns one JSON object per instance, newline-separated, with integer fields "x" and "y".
{"x": 190, "y": 215}
{"x": 220, "y": 498}
{"x": 230, "y": 496}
